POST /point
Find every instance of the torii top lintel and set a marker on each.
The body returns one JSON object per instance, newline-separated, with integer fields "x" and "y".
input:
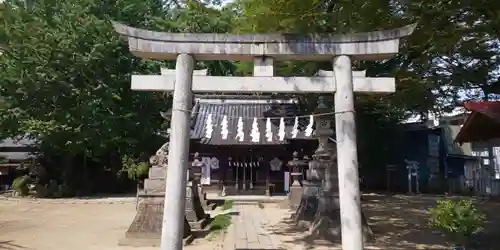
{"x": 376, "y": 45}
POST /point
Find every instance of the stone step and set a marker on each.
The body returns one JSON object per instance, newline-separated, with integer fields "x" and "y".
{"x": 154, "y": 185}
{"x": 257, "y": 190}
{"x": 157, "y": 173}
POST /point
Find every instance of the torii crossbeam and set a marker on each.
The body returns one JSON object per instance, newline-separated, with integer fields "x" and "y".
{"x": 263, "y": 49}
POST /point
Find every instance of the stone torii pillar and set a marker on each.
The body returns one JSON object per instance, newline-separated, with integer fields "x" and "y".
{"x": 339, "y": 49}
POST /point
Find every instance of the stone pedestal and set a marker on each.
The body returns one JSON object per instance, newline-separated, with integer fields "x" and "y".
{"x": 155, "y": 183}
{"x": 195, "y": 214}
{"x": 296, "y": 167}
{"x": 145, "y": 230}
{"x": 206, "y": 204}
{"x": 295, "y": 195}
{"x": 308, "y": 205}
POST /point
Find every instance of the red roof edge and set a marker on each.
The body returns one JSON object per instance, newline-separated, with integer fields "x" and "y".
{"x": 490, "y": 109}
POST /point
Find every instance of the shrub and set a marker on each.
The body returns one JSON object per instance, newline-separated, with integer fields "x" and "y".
{"x": 20, "y": 184}
{"x": 134, "y": 169}
{"x": 458, "y": 220}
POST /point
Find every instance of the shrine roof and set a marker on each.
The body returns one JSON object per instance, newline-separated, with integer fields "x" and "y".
{"x": 247, "y": 108}
{"x": 483, "y": 122}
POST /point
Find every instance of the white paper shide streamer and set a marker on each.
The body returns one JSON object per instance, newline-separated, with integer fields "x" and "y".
{"x": 295, "y": 129}
{"x": 224, "y": 132}
{"x": 309, "y": 128}
{"x": 281, "y": 129}
{"x": 240, "y": 136}
{"x": 255, "y": 134}
{"x": 269, "y": 132}
{"x": 209, "y": 129}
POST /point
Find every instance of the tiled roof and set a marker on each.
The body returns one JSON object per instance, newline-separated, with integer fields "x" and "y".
{"x": 16, "y": 149}
{"x": 482, "y": 124}
{"x": 18, "y": 142}
{"x": 490, "y": 109}
{"x": 246, "y": 109}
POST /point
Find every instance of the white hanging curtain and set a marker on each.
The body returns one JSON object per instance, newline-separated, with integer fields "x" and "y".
{"x": 295, "y": 129}
{"x": 240, "y": 135}
{"x": 209, "y": 127}
{"x": 224, "y": 131}
{"x": 281, "y": 129}
{"x": 255, "y": 134}
{"x": 269, "y": 132}
{"x": 309, "y": 128}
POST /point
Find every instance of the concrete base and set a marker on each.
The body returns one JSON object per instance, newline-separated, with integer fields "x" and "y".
{"x": 145, "y": 229}
{"x": 308, "y": 205}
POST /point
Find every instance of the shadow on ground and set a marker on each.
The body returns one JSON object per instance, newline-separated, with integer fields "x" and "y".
{"x": 9, "y": 245}
{"x": 398, "y": 222}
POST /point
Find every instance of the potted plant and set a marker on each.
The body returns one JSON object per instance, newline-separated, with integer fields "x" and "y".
{"x": 458, "y": 220}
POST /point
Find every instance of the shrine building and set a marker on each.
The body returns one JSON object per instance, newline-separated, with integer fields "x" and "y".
{"x": 246, "y": 141}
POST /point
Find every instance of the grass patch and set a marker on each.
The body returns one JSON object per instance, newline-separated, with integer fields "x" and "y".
{"x": 228, "y": 204}
{"x": 219, "y": 224}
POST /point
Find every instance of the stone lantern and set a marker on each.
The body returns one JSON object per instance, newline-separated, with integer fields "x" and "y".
{"x": 296, "y": 166}
{"x": 196, "y": 169}
{"x": 195, "y": 213}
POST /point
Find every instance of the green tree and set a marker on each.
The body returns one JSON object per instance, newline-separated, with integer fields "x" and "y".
{"x": 66, "y": 76}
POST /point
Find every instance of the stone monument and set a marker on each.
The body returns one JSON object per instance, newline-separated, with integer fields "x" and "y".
{"x": 146, "y": 227}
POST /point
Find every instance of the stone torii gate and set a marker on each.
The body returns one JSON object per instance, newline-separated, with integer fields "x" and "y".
{"x": 263, "y": 50}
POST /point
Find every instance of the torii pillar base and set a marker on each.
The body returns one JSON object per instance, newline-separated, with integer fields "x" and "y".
{"x": 145, "y": 230}
{"x": 322, "y": 221}
{"x": 326, "y": 224}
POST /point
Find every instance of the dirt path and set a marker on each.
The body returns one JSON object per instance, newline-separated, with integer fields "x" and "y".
{"x": 398, "y": 222}
{"x": 27, "y": 225}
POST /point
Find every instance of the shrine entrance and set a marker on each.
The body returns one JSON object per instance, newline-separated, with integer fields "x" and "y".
{"x": 263, "y": 50}
{"x": 251, "y": 172}
{"x": 246, "y": 175}
{"x": 242, "y": 132}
